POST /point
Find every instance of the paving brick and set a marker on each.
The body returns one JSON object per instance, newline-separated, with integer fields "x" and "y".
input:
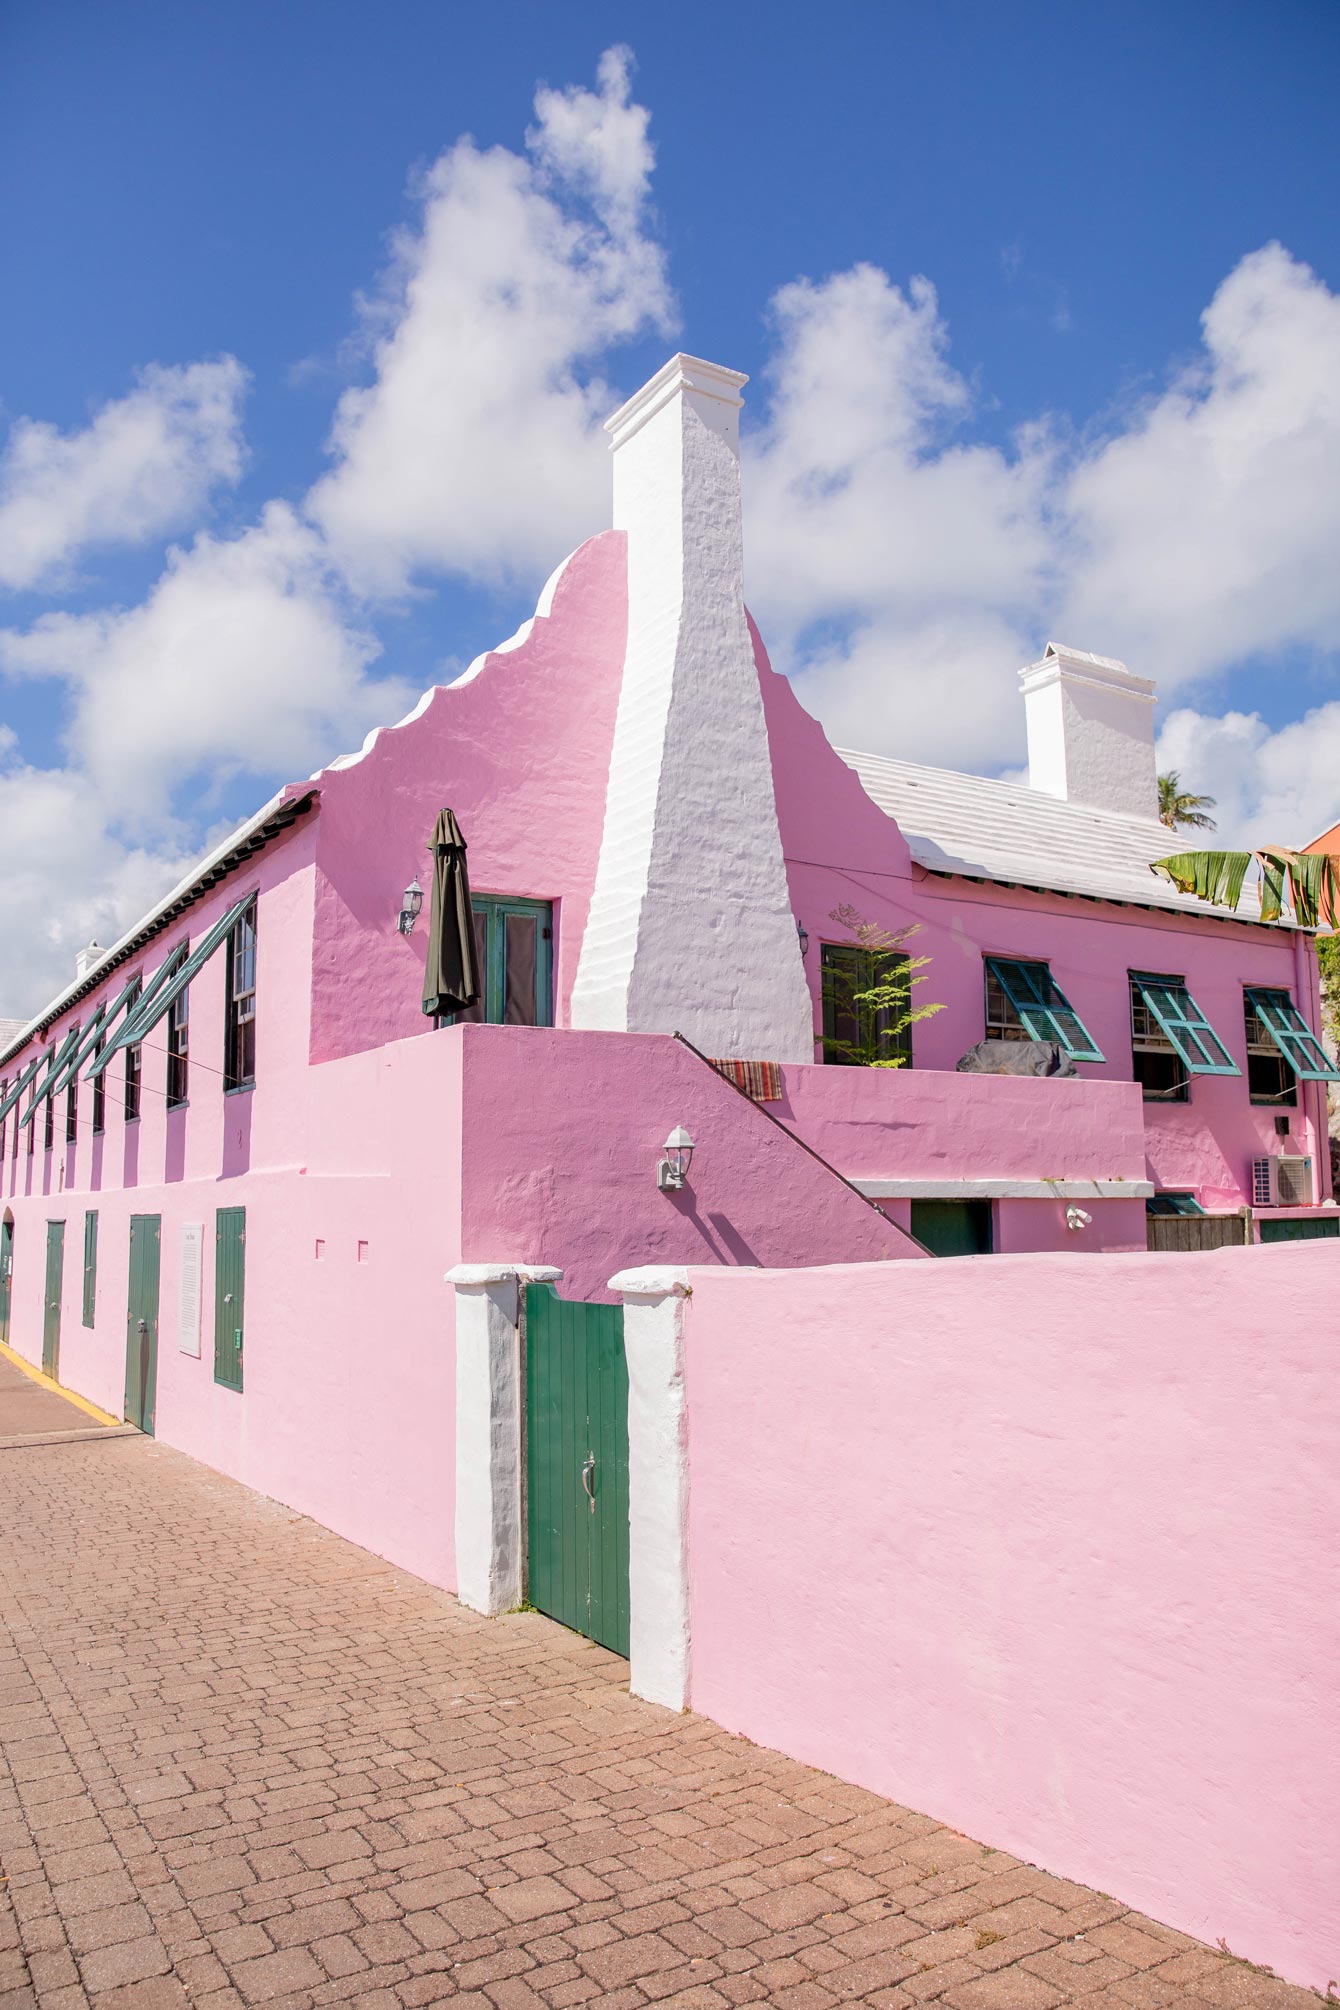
{"x": 268, "y": 1768}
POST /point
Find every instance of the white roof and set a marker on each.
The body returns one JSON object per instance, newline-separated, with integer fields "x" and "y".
{"x": 1005, "y": 831}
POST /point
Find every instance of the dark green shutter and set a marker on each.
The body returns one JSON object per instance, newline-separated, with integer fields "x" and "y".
{"x": 90, "y": 1264}
{"x": 54, "y": 1283}
{"x": 230, "y": 1237}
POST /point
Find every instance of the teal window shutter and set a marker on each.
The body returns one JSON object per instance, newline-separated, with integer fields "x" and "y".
{"x": 1194, "y": 1039}
{"x": 1291, "y": 1033}
{"x": 1173, "y": 1203}
{"x": 168, "y": 982}
{"x": 56, "y": 1060}
{"x": 1044, "y": 1010}
{"x": 102, "y": 1019}
{"x": 20, "y": 1085}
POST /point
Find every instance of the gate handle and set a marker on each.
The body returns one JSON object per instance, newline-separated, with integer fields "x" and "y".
{"x": 588, "y": 1479}
{"x": 143, "y": 1325}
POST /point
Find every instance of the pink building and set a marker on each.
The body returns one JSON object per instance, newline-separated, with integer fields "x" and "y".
{"x": 237, "y": 1232}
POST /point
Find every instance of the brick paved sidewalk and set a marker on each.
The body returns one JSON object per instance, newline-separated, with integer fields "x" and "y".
{"x": 245, "y": 1762}
{"x": 30, "y": 1407}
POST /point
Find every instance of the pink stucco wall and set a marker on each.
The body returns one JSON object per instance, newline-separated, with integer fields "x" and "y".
{"x": 841, "y": 849}
{"x": 350, "y": 1175}
{"x": 1057, "y": 1564}
{"x": 520, "y": 751}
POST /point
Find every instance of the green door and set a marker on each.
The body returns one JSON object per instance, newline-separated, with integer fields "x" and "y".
{"x": 1297, "y": 1231}
{"x": 6, "y": 1275}
{"x": 953, "y": 1227}
{"x": 51, "y": 1315}
{"x": 142, "y": 1322}
{"x": 230, "y": 1242}
{"x": 577, "y": 1464}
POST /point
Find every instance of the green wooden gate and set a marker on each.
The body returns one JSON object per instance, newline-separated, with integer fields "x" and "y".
{"x": 230, "y": 1242}
{"x": 6, "y": 1275}
{"x": 142, "y": 1322}
{"x": 577, "y": 1464}
{"x": 55, "y": 1281}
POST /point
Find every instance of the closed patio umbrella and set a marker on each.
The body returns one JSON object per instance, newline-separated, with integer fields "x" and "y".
{"x": 451, "y": 978}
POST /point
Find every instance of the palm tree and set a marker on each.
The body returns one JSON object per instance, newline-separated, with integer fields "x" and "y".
{"x": 1309, "y": 881}
{"x": 1177, "y": 807}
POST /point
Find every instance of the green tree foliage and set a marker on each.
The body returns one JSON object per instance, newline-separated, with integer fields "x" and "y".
{"x": 1177, "y": 806}
{"x": 868, "y": 994}
{"x": 1328, "y": 958}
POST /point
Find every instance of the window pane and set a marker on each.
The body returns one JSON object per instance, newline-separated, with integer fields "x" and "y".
{"x": 477, "y": 1014}
{"x": 521, "y": 935}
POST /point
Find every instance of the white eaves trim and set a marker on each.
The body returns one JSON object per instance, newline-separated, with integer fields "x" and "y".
{"x": 1005, "y": 1188}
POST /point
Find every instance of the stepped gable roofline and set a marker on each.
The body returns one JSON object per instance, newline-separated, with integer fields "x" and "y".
{"x": 271, "y": 821}
{"x": 275, "y": 817}
{"x": 971, "y": 827}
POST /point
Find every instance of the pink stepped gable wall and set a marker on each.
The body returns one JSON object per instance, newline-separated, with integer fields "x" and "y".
{"x": 1059, "y": 1565}
{"x": 520, "y": 750}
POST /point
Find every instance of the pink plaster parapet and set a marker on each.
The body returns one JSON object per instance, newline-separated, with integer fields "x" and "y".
{"x": 519, "y": 748}
{"x": 1049, "y": 1550}
{"x": 562, "y": 1132}
{"x": 937, "y": 1124}
{"x": 560, "y": 1138}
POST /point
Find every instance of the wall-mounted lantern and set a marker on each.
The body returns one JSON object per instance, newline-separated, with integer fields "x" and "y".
{"x": 803, "y": 937}
{"x": 673, "y": 1169}
{"x": 1076, "y": 1218}
{"x": 411, "y": 904}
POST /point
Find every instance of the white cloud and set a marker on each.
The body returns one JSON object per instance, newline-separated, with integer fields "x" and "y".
{"x": 1206, "y": 530}
{"x": 1279, "y": 786}
{"x": 892, "y": 567}
{"x": 477, "y": 448}
{"x": 242, "y": 659}
{"x": 903, "y": 576}
{"x": 145, "y": 465}
{"x": 68, "y": 878}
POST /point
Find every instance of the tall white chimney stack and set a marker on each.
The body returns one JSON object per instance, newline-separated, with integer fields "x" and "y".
{"x": 1091, "y": 732}
{"x": 690, "y": 928}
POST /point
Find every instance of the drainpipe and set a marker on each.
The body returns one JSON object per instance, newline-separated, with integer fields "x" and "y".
{"x": 1306, "y": 982}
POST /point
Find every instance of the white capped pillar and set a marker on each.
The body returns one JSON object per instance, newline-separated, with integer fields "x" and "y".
{"x": 1091, "y": 732}
{"x": 489, "y": 1552}
{"x": 658, "y": 1484}
{"x": 690, "y": 928}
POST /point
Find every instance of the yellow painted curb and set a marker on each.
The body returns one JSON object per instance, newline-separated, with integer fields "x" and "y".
{"x": 57, "y": 1388}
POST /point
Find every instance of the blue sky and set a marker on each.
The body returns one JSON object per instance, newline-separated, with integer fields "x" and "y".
{"x": 1049, "y": 437}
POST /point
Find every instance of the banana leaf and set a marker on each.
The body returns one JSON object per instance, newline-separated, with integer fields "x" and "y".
{"x": 1307, "y": 882}
{"x": 1216, "y": 876}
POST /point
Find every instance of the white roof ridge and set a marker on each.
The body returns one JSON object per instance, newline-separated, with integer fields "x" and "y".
{"x": 1020, "y": 788}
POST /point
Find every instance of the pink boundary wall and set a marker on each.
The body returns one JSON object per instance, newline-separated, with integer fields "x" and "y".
{"x": 1048, "y": 1551}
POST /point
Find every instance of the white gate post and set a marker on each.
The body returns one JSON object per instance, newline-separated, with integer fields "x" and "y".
{"x": 489, "y": 1399}
{"x": 658, "y": 1484}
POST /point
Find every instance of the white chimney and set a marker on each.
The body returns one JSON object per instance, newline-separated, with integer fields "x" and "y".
{"x": 85, "y": 959}
{"x": 690, "y": 928}
{"x": 1091, "y": 732}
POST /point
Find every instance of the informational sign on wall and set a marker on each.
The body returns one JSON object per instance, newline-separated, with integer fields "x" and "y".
{"x": 191, "y": 1246}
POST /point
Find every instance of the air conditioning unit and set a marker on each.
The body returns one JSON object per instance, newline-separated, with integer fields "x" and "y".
{"x": 1282, "y": 1181}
